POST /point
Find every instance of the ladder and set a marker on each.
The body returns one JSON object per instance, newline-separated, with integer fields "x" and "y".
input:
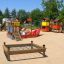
{"x": 17, "y": 36}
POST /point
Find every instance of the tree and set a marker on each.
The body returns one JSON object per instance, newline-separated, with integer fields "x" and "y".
{"x": 36, "y": 14}
{"x": 1, "y": 16}
{"x": 28, "y": 14}
{"x": 22, "y": 15}
{"x": 13, "y": 13}
{"x": 7, "y": 13}
{"x": 51, "y": 8}
{"x": 61, "y": 15}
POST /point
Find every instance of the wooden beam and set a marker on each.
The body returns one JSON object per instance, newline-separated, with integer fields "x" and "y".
{"x": 18, "y": 45}
{"x": 6, "y": 51}
{"x": 37, "y": 46}
{"x": 25, "y": 51}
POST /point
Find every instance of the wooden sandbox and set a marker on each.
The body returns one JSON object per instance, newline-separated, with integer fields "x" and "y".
{"x": 22, "y": 49}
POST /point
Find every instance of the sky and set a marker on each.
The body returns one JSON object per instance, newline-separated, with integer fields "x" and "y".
{"x": 27, "y": 5}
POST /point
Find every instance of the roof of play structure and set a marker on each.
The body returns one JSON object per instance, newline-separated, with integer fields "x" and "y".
{"x": 45, "y": 18}
{"x": 56, "y": 20}
{"x": 7, "y": 19}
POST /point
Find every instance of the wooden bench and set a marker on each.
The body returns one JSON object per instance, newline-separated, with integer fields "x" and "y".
{"x": 17, "y": 49}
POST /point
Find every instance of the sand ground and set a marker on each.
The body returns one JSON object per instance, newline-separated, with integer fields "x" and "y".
{"x": 55, "y": 49}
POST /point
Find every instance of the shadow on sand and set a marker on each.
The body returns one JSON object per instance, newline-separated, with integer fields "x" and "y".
{"x": 29, "y": 58}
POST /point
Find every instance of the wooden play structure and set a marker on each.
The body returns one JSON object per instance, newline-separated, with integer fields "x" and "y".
{"x": 56, "y": 26}
{"x": 17, "y": 32}
{"x": 5, "y": 22}
{"x": 16, "y": 26}
{"x": 13, "y": 29}
{"x": 23, "y": 49}
{"x": 29, "y": 19}
{"x": 31, "y": 34}
{"x": 45, "y": 25}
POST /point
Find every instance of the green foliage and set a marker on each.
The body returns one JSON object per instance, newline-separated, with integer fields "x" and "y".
{"x": 28, "y": 14}
{"x": 13, "y": 13}
{"x": 22, "y": 15}
{"x": 36, "y": 14}
{"x": 33, "y": 27}
{"x": 36, "y": 23}
{"x": 7, "y": 13}
{"x": 51, "y": 8}
{"x": 61, "y": 15}
{"x": 1, "y": 16}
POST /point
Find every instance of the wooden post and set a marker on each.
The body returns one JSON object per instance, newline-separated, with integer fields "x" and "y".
{"x": 8, "y": 55}
{"x": 6, "y": 51}
{"x": 31, "y": 44}
{"x": 44, "y": 50}
{"x": 4, "y": 43}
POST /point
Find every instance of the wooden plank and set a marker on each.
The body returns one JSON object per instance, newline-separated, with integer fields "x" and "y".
{"x": 17, "y": 45}
{"x": 37, "y": 46}
{"x": 17, "y": 36}
{"x": 25, "y": 51}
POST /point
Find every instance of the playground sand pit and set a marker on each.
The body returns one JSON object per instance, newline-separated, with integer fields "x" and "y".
{"x": 55, "y": 49}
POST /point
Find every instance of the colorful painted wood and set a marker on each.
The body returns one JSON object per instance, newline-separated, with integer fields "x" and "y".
{"x": 44, "y": 23}
{"x": 56, "y": 27}
{"x": 29, "y": 19}
{"x": 17, "y": 24}
{"x": 46, "y": 29}
{"x": 31, "y": 34}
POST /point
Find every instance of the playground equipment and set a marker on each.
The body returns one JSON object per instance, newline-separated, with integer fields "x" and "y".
{"x": 45, "y": 25}
{"x": 29, "y": 19}
{"x": 17, "y": 36}
{"x": 5, "y": 22}
{"x": 32, "y": 33}
{"x": 13, "y": 29}
{"x": 63, "y": 28}
{"x": 17, "y": 32}
{"x": 23, "y": 49}
{"x": 56, "y": 26}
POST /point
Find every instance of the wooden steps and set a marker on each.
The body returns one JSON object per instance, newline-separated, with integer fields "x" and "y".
{"x": 17, "y": 36}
